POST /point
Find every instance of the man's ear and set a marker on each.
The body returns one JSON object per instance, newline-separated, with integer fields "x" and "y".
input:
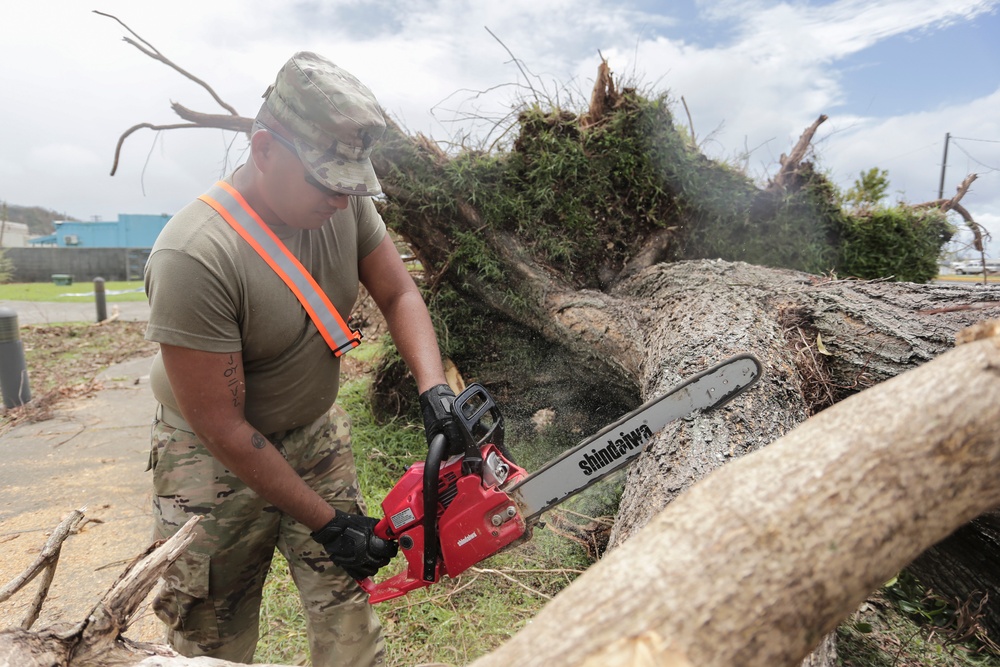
{"x": 262, "y": 149}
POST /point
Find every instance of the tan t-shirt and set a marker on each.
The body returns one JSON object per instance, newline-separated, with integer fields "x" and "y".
{"x": 209, "y": 290}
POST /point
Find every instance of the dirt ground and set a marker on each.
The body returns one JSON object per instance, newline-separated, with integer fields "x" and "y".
{"x": 90, "y": 453}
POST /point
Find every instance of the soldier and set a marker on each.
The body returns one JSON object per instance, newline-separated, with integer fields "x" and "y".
{"x": 249, "y": 288}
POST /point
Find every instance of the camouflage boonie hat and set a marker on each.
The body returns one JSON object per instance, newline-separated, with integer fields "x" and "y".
{"x": 334, "y": 121}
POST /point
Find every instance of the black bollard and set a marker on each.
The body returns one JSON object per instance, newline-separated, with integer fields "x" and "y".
{"x": 100, "y": 299}
{"x": 13, "y": 372}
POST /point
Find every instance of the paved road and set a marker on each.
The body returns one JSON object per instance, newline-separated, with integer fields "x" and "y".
{"x": 45, "y": 312}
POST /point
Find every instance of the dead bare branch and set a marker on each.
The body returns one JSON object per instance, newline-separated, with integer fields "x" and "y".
{"x": 694, "y": 137}
{"x": 962, "y": 189}
{"x": 43, "y": 591}
{"x": 111, "y": 616}
{"x": 48, "y": 554}
{"x": 140, "y": 126}
{"x": 979, "y": 233}
{"x": 155, "y": 54}
{"x": 516, "y": 61}
{"x": 951, "y": 204}
{"x": 233, "y": 121}
{"x": 513, "y": 581}
{"x": 218, "y": 121}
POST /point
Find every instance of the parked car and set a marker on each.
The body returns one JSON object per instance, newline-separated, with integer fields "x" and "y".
{"x": 973, "y": 266}
{"x": 965, "y": 266}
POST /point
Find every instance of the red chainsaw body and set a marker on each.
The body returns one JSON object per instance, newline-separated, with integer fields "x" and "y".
{"x": 475, "y": 519}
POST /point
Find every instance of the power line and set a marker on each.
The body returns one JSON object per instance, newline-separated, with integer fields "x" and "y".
{"x": 982, "y": 164}
{"x": 944, "y": 160}
{"x": 910, "y": 152}
{"x": 988, "y": 141}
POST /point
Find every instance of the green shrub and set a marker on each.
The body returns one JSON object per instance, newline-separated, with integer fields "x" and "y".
{"x": 6, "y": 268}
{"x": 897, "y": 242}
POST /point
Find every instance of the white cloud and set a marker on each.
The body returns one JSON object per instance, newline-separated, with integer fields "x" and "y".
{"x": 61, "y": 158}
{"x": 779, "y": 65}
{"x": 830, "y": 31}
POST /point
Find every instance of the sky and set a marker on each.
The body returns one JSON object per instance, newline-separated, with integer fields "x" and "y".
{"x": 894, "y": 77}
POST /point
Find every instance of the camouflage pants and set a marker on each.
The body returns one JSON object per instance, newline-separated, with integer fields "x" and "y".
{"x": 210, "y": 599}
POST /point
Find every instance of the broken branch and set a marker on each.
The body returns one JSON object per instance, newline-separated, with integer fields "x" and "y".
{"x": 155, "y": 54}
{"x": 48, "y": 556}
{"x": 140, "y": 126}
{"x": 790, "y": 163}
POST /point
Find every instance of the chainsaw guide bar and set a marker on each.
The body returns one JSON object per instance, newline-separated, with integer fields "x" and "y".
{"x": 450, "y": 514}
{"x": 619, "y": 443}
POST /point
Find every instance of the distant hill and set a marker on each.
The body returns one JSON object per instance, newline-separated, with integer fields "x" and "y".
{"x": 38, "y": 219}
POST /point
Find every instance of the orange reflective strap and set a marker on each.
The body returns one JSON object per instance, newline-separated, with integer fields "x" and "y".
{"x": 235, "y": 210}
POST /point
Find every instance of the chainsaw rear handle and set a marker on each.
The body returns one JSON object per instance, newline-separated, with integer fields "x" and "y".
{"x": 436, "y": 452}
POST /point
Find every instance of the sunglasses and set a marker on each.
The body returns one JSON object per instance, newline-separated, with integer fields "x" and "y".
{"x": 310, "y": 179}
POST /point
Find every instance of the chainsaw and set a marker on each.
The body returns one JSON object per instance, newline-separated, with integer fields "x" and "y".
{"x": 449, "y": 514}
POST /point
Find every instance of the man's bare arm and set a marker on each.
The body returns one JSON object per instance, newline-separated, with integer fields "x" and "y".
{"x": 210, "y": 391}
{"x": 385, "y": 277}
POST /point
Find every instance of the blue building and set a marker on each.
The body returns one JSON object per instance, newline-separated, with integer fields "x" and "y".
{"x": 130, "y": 230}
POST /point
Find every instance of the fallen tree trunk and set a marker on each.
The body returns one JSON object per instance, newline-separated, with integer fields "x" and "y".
{"x": 820, "y": 342}
{"x": 757, "y": 562}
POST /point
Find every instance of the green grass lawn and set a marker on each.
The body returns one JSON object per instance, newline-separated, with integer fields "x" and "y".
{"x": 83, "y": 292}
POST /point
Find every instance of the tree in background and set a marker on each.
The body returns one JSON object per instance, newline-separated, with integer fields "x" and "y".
{"x": 869, "y": 189}
{"x": 901, "y": 242}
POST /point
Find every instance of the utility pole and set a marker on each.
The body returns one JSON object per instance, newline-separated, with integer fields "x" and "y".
{"x": 944, "y": 164}
{"x": 3, "y": 222}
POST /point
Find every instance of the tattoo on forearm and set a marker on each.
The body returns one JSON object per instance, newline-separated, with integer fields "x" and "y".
{"x": 258, "y": 441}
{"x": 233, "y": 379}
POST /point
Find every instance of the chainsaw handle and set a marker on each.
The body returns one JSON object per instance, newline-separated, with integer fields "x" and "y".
{"x": 480, "y": 419}
{"x": 436, "y": 452}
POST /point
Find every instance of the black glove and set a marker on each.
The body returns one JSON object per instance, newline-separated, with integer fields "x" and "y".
{"x": 437, "y": 406}
{"x": 352, "y": 545}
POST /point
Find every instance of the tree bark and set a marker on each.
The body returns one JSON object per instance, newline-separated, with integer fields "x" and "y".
{"x": 871, "y": 331}
{"x": 707, "y": 311}
{"x": 756, "y": 563}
